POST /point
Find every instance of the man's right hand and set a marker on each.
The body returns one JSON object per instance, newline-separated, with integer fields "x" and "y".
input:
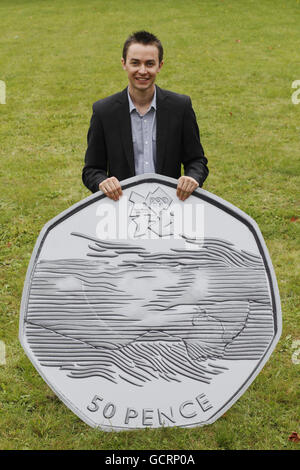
{"x": 111, "y": 188}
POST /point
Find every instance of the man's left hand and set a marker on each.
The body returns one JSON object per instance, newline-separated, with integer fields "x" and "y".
{"x": 186, "y": 185}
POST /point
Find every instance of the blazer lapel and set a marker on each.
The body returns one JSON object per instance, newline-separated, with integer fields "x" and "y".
{"x": 162, "y": 119}
{"x": 125, "y": 128}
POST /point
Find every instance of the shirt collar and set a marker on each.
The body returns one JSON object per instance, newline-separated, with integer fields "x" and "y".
{"x": 132, "y": 106}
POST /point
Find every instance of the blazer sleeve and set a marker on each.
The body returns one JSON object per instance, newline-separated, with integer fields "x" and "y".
{"x": 193, "y": 158}
{"x": 95, "y": 168}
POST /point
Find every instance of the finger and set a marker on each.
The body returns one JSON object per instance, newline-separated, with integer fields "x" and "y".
{"x": 179, "y": 192}
{"x": 188, "y": 191}
{"x": 191, "y": 181}
{"x": 186, "y": 188}
{"x": 111, "y": 190}
{"x": 115, "y": 190}
{"x": 178, "y": 189}
{"x": 195, "y": 185}
{"x": 184, "y": 192}
{"x": 185, "y": 185}
{"x": 118, "y": 186}
{"x": 103, "y": 189}
{"x": 186, "y": 195}
{"x": 102, "y": 185}
{"x": 109, "y": 194}
{"x": 183, "y": 195}
{"x": 190, "y": 188}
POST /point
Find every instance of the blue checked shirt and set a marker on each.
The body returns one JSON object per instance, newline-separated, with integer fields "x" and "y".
{"x": 143, "y": 137}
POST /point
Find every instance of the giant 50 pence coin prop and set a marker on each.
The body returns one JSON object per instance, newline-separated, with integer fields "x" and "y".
{"x": 150, "y": 311}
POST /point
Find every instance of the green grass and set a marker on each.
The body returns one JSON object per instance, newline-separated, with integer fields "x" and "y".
{"x": 237, "y": 60}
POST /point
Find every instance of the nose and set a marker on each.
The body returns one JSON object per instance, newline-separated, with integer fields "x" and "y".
{"x": 142, "y": 69}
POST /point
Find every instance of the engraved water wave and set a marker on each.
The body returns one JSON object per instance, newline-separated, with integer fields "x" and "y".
{"x": 149, "y": 315}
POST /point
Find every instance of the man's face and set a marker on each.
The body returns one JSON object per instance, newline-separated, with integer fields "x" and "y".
{"x": 142, "y": 65}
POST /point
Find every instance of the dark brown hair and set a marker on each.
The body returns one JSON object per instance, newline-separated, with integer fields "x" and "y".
{"x": 143, "y": 37}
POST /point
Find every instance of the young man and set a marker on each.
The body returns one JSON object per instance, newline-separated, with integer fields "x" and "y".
{"x": 143, "y": 129}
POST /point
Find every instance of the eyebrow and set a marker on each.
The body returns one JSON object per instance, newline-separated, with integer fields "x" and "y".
{"x": 138, "y": 60}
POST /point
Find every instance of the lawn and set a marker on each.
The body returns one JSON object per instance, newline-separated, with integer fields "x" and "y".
{"x": 237, "y": 60}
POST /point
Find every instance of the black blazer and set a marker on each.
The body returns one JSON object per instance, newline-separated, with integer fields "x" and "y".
{"x": 110, "y": 148}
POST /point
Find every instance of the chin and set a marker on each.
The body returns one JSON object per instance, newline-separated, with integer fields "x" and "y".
{"x": 142, "y": 85}
{"x": 145, "y": 87}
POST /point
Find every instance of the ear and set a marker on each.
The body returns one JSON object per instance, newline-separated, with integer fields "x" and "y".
{"x": 123, "y": 63}
{"x": 160, "y": 66}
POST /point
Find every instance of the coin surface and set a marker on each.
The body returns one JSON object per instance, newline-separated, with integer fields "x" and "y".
{"x": 150, "y": 311}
